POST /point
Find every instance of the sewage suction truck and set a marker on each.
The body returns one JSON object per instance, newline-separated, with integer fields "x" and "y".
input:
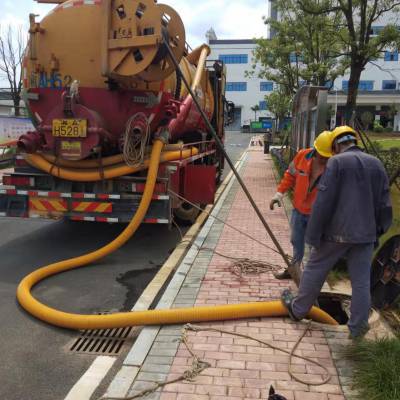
{"x": 100, "y": 86}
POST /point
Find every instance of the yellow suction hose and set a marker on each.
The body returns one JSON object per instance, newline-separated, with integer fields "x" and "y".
{"x": 152, "y": 317}
{"x": 108, "y": 172}
{"x": 104, "y": 161}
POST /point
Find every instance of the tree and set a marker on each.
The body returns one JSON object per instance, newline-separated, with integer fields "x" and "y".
{"x": 367, "y": 118}
{"x": 12, "y": 47}
{"x": 255, "y": 109}
{"x": 359, "y": 43}
{"x": 279, "y": 104}
{"x": 303, "y": 49}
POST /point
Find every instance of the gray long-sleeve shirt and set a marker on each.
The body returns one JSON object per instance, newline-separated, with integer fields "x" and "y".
{"x": 353, "y": 201}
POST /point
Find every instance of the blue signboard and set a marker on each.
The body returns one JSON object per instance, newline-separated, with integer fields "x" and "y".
{"x": 267, "y": 124}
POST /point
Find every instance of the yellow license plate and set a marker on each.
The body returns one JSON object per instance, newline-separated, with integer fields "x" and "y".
{"x": 70, "y": 128}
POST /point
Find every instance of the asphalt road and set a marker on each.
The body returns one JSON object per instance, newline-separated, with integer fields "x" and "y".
{"x": 35, "y": 360}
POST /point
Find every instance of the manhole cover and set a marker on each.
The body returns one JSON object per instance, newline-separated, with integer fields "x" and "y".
{"x": 103, "y": 341}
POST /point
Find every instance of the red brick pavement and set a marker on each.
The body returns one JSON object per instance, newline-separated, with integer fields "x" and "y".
{"x": 240, "y": 368}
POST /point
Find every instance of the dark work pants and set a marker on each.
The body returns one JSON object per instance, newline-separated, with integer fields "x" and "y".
{"x": 322, "y": 260}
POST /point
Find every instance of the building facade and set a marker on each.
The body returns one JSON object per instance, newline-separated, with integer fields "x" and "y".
{"x": 244, "y": 90}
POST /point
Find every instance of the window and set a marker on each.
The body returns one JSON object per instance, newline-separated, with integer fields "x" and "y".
{"x": 263, "y": 104}
{"x": 266, "y": 86}
{"x": 236, "y": 86}
{"x": 375, "y": 30}
{"x": 391, "y": 55}
{"x": 295, "y": 58}
{"x": 234, "y": 58}
{"x": 292, "y": 57}
{"x": 363, "y": 85}
{"x": 388, "y": 85}
{"x": 366, "y": 85}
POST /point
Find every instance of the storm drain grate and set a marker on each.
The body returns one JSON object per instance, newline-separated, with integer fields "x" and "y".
{"x": 103, "y": 341}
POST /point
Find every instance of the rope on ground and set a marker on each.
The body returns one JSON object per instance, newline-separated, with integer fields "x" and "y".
{"x": 240, "y": 265}
{"x": 198, "y": 366}
{"x": 291, "y": 352}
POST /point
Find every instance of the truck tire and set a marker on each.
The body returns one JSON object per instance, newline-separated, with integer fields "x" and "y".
{"x": 186, "y": 214}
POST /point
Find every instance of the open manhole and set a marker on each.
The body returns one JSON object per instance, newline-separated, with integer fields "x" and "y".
{"x": 336, "y": 305}
{"x": 103, "y": 341}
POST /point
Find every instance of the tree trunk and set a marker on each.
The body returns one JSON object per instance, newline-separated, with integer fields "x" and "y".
{"x": 16, "y": 101}
{"x": 352, "y": 93}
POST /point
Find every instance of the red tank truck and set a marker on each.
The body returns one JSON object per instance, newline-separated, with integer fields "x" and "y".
{"x": 99, "y": 86}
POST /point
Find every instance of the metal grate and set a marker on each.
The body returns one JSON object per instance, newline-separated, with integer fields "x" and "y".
{"x": 103, "y": 341}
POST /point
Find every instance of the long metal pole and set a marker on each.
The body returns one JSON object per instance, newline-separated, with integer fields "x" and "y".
{"x": 221, "y": 146}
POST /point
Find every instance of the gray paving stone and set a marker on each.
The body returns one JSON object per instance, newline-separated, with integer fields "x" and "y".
{"x": 163, "y": 352}
{"x": 165, "y": 345}
{"x": 157, "y": 368}
{"x": 168, "y": 338}
{"x": 141, "y": 347}
{"x": 162, "y": 360}
{"x": 141, "y": 385}
{"x": 151, "y": 376}
{"x": 120, "y": 385}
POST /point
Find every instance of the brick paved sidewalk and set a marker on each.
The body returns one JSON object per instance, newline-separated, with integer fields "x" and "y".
{"x": 240, "y": 368}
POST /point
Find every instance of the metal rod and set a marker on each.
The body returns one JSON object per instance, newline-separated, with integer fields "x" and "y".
{"x": 221, "y": 146}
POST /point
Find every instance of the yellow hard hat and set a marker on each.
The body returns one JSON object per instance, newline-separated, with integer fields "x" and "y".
{"x": 323, "y": 144}
{"x": 342, "y": 130}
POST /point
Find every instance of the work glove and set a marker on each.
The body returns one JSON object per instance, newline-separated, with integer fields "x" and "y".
{"x": 277, "y": 199}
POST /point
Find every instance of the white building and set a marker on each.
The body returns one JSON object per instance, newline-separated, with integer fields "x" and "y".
{"x": 244, "y": 91}
{"x": 379, "y": 88}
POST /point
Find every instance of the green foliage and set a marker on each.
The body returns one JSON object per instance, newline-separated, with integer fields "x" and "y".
{"x": 388, "y": 129}
{"x": 391, "y": 160}
{"x": 376, "y": 368}
{"x": 378, "y": 128}
{"x": 279, "y": 104}
{"x": 304, "y": 48}
{"x": 376, "y": 146}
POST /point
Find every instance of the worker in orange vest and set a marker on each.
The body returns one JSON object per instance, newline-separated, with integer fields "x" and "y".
{"x": 302, "y": 175}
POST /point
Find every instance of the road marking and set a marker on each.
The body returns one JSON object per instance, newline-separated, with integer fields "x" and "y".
{"x": 91, "y": 379}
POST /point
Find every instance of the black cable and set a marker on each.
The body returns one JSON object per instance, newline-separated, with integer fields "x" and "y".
{"x": 222, "y": 149}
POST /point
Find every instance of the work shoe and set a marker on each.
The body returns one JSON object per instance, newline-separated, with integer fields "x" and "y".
{"x": 283, "y": 275}
{"x": 287, "y": 301}
{"x": 360, "y": 335}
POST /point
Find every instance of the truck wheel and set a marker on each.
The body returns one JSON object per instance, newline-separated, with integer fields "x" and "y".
{"x": 186, "y": 214}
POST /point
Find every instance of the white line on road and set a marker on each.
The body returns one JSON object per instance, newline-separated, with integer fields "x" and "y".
{"x": 90, "y": 380}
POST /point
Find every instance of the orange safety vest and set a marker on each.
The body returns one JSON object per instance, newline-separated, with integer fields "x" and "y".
{"x": 297, "y": 176}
